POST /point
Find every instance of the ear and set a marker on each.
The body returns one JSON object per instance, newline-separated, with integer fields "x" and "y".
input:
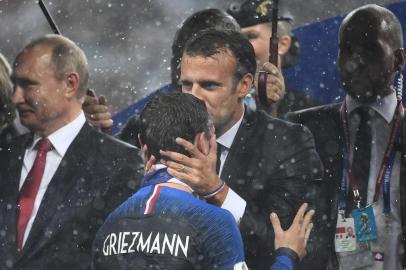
{"x": 202, "y": 143}
{"x": 284, "y": 44}
{"x": 400, "y": 59}
{"x": 244, "y": 85}
{"x": 72, "y": 84}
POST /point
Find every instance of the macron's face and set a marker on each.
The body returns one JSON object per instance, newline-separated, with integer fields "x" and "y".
{"x": 211, "y": 80}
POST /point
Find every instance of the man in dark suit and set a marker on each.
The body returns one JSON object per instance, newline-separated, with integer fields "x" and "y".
{"x": 270, "y": 163}
{"x": 59, "y": 182}
{"x": 370, "y": 55}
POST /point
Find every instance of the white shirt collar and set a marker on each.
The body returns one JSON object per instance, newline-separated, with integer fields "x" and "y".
{"x": 385, "y": 106}
{"x": 172, "y": 180}
{"x": 63, "y": 137}
{"x": 227, "y": 138}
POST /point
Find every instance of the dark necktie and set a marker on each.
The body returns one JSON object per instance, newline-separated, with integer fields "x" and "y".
{"x": 218, "y": 163}
{"x": 362, "y": 154}
{"x": 28, "y": 192}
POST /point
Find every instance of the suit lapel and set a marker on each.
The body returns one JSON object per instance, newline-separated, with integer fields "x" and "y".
{"x": 62, "y": 182}
{"x": 238, "y": 156}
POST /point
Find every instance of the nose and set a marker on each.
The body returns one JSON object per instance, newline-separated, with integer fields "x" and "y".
{"x": 18, "y": 96}
{"x": 197, "y": 91}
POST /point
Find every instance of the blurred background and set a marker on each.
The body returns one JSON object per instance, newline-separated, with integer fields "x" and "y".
{"x": 128, "y": 42}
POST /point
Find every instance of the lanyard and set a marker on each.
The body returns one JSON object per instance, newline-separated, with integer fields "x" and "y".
{"x": 385, "y": 171}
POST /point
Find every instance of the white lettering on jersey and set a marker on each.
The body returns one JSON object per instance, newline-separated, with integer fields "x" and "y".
{"x": 152, "y": 243}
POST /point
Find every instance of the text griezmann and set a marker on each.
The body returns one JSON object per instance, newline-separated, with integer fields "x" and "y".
{"x": 155, "y": 242}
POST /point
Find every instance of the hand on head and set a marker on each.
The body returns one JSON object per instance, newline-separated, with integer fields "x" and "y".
{"x": 199, "y": 170}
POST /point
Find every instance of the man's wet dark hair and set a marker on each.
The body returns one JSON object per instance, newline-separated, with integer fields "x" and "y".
{"x": 168, "y": 116}
{"x": 208, "y": 43}
{"x": 201, "y": 20}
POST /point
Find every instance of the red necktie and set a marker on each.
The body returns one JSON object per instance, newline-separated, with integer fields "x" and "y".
{"x": 30, "y": 188}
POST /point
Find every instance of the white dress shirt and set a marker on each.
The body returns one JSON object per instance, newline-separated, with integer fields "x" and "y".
{"x": 233, "y": 202}
{"x": 389, "y": 241}
{"x": 61, "y": 140}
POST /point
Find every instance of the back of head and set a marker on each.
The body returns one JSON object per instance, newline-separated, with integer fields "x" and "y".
{"x": 66, "y": 57}
{"x": 7, "y": 109}
{"x": 201, "y": 20}
{"x": 210, "y": 42}
{"x": 169, "y": 116}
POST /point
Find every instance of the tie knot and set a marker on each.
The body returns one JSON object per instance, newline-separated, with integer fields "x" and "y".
{"x": 44, "y": 145}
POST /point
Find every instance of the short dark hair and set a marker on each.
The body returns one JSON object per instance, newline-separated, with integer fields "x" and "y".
{"x": 66, "y": 57}
{"x": 211, "y": 42}
{"x": 168, "y": 116}
{"x": 201, "y": 20}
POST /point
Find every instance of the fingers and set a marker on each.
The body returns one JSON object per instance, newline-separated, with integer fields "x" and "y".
{"x": 105, "y": 125}
{"x": 309, "y": 229}
{"x": 299, "y": 215}
{"x": 190, "y": 147}
{"x": 150, "y": 164}
{"x": 275, "y": 88}
{"x": 176, "y": 159}
{"x": 271, "y": 68}
{"x": 103, "y": 100}
{"x": 307, "y": 220}
{"x": 97, "y": 109}
{"x": 213, "y": 149}
{"x": 276, "y": 224}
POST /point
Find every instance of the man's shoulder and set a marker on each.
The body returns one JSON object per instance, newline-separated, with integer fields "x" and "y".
{"x": 99, "y": 141}
{"x": 274, "y": 128}
{"x": 318, "y": 113}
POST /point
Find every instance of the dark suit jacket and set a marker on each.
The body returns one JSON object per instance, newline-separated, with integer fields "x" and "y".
{"x": 96, "y": 174}
{"x": 273, "y": 165}
{"x": 325, "y": 124}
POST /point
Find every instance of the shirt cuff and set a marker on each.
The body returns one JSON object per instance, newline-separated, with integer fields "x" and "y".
{"x": 287, "y": 257}
{"x": 235, "y": 205}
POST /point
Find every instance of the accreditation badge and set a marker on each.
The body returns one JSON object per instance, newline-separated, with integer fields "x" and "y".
{"x": 345, "y": 240}
{"x": 365, "y": 225}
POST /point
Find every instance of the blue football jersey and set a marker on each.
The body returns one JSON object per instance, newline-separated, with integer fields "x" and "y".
{"x": 165, "y": 228}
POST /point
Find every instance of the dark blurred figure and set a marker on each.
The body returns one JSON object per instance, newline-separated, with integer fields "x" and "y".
{"x": 7, "y": 109}
{"x": 254, "y": 18}
{"x": 270, "y": 163}
{"x": 363, "y": 157}
{"x": 60, "y": 181}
